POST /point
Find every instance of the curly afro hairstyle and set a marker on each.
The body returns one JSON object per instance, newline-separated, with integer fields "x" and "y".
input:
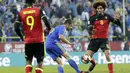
{"x": 100, "y": 3}
{"x": 30, "y": 2}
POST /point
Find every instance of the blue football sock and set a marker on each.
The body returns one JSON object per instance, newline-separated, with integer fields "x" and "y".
{"x": 74, "y": 65}
{"x": 60, "y": 69}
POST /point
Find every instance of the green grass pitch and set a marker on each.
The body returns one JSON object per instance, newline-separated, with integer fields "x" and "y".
{"x": 118, "y": 68}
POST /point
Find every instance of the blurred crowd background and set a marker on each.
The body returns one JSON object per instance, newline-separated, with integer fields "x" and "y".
{"x": 57, "y": 11}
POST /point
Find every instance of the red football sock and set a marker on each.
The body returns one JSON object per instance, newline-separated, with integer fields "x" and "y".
{"x": 28, "y": 68}
{"x": 93, "y": 62}
{"x": 39, "y": 70}
{"x": 110, "y": 67}
{"x": 92, "y": 65}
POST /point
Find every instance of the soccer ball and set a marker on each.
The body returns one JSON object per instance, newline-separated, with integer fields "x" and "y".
{"x": 85, "y": 59}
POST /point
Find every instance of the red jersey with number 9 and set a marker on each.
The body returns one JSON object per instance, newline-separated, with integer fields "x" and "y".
{"x": 31, "y": 19}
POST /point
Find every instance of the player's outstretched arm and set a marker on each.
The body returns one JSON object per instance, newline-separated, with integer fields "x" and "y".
{"x": 64, "y": 39}
{"x": 17, "y": 27}
{"x": 45, "y": 19}
{"x": 90, "y": 25}
{"x": 116, "y": 19}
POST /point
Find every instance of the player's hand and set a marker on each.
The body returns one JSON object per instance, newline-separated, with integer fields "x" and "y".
{"x": 22, "y": 39}
{"x": 47, "y": 31}
{"x": 72, "y": 43}
{"x": 128, "y": 29}
{"x": 117, "y": 15}
{"x": 93, "y": 31}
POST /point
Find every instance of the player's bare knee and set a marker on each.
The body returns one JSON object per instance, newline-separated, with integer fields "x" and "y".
{"x": 90, "y": 53}
{"x": 108, "y": 57}
{"x": 39, "y": 61}
{"x": 68, "y": 58}
{"x": 59, "y": 62}
{"x": 28, "y": 62}
{"x": 66, "y": 55}
{"x": 107, "y": 52}
{"x": 39, "y": 64}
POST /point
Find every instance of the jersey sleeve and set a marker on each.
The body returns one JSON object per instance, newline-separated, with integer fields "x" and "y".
{"x": 45, "y": 19}
{"x": 17, "y": 22}
{"x": 61, "y": 30}
{"x": 90, "y": 25}
{"x": 18, "y": 19}
{"x": 115, "y": 21}
{"x": 17, "y": 26}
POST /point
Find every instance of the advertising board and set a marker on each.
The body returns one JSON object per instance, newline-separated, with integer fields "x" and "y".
{"x": 17, "y": 59}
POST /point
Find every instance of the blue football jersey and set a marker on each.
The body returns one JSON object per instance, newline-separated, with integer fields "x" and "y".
{"x": 53, "y": 36}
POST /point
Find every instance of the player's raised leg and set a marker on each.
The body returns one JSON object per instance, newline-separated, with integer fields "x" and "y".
{"x": 90, "y": 53}
{"x": 92, "y": 48}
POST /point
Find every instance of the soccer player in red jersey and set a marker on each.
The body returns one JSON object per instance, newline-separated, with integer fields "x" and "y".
{"x": 34, "y": 38}
{"x": 98, "y": 29}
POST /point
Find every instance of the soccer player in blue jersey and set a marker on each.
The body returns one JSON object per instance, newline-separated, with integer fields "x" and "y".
{"x": 56, "y": 50}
